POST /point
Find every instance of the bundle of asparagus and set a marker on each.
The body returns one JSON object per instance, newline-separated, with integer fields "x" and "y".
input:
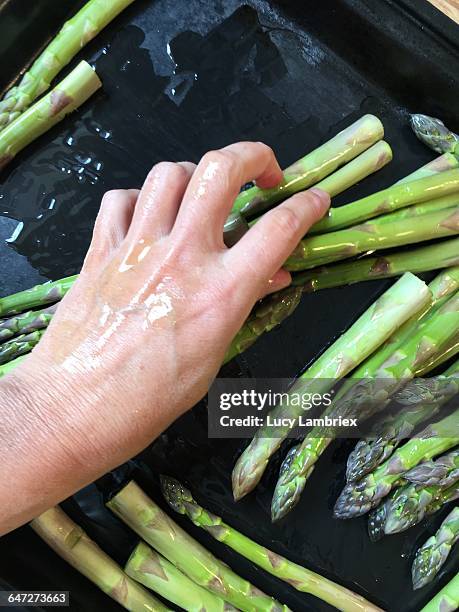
{"x": 147, "y": 519}
{"x": 74, "y": 35}
{"x": 67, "y": 96}
{"x": 155, "y": 527}
{"x": 359, "y": 497}
{"x": 368, "y": 390}
{"x": 71, "y": 543}
{"x": 408, "y": 505}
{"x": 181, "y": 500}
{"x": 388, "y": 434}
{"x": 406, "y": 297}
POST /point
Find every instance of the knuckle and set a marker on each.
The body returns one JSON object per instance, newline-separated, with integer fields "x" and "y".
{"x": 286, "y": 221}
{"x": 110, "y": 196}
{"x": 226, "y": 160}
{"x": 265, "y": 150}
{"x": 159, "y": 168}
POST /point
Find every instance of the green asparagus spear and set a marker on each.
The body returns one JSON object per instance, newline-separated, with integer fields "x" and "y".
{"x": 393, "y": 198}
{"x": 432, "y": 555}
{"x": 372, "y": 160}
{"x": 442, "y": 288}
{"x": 147, "y": 519}
{"x": 158, "y": 574}
{"x": 448, "y": 352}
{"x": 235, "y": 227}
{"x": 442, "y": 472}
{"x": 36, "y": 296}
{"x": 7, "y": 367}
{"x": 447, "y": 161}
{"x": 435, "y": 134}
{"x": 67, "y": 96}
{"x": 362, "y": 397}
{"x": 423, "y": 259}
{"x": 401, "y": 301}
{"x": 266, "y": 315}
{"x": 387, "y": 436}
{"x": 315, "y": 166}
{"x": 419, "y": 210}
{"x": 26, "y": 323}
{"x": 358, "y": 498}
{"x": 71, "y": 543}
{"x": 74, "y": 35}
{"x": 302, "y": 579}
{"x": 407, "y": 506}
{"x": 19, "y": 346}
{"x": 335, "y": 246}
{"x": 446, "y": 600}
{"x": 413, "y": 502}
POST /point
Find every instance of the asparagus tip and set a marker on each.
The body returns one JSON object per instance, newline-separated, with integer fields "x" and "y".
{"x": 174, "y": 493}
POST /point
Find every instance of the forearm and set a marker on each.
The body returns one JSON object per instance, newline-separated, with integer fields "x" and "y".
{"x": 55, "y": 439}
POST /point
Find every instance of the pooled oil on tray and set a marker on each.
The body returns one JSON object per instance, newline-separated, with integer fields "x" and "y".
{"x": 180, "y": 78}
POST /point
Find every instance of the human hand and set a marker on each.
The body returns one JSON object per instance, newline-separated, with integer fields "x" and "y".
{"x": 142, "y": 333}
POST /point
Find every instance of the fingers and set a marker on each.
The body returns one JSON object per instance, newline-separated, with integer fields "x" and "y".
{"x": 267, "y": 245}
{"x": 159, "y": 200}
{"x": 281, "y": 279}
{"x": 112, "y": 225}
{"x": 216, "y": 183}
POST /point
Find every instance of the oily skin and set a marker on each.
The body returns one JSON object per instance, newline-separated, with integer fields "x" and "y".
{"x": 142, "y": 333}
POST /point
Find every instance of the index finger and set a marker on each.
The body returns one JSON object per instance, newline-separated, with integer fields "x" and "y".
{"x": 216, "y": 183}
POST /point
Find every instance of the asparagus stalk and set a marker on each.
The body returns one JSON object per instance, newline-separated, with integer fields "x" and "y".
{"x": 19, "y": 346}
{"x": 387, "y": 436}
{"x": 413, "y": 502}
{"x": 315, "y": 166}
{"x": 418, "y": 210}
{"x": 446, "y": 600}
{"x": 353, "y": 172}
{"x": 147, "y": 519}
{"x": 158, "y": 574}
{"x": 405, "y": 297}
{"x": 235, "y": 227}
{"x": 423, "y": 259}
{"x": 181, "y": 500}
{"x": 393, "y": 198}
{"x": 360, "y": 497}
{"x": 7, "y": 367}
{"x": 26, "y": 323}
{"x": 442, "y": 472}
{"x": 362, "y": 397}
{"x": 432, "y": 555}
{"x": 442, "y": 289}
{"x": 74, "y": 35}
{"x": 67, "y": 96}
{"x": 71, "y": 543}
{"x": 372, "y": 160}
{"x": 447, "y": 161}
{"x": 47, "y": 293}
{"x": 433, "y": 133}
{"x": 266, "y": 315}
{"x": 326, "y": 248}
{"x": 448, "y": 352}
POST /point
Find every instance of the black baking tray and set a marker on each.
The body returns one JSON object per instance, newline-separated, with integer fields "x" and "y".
{"x": 181, "y": 77}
